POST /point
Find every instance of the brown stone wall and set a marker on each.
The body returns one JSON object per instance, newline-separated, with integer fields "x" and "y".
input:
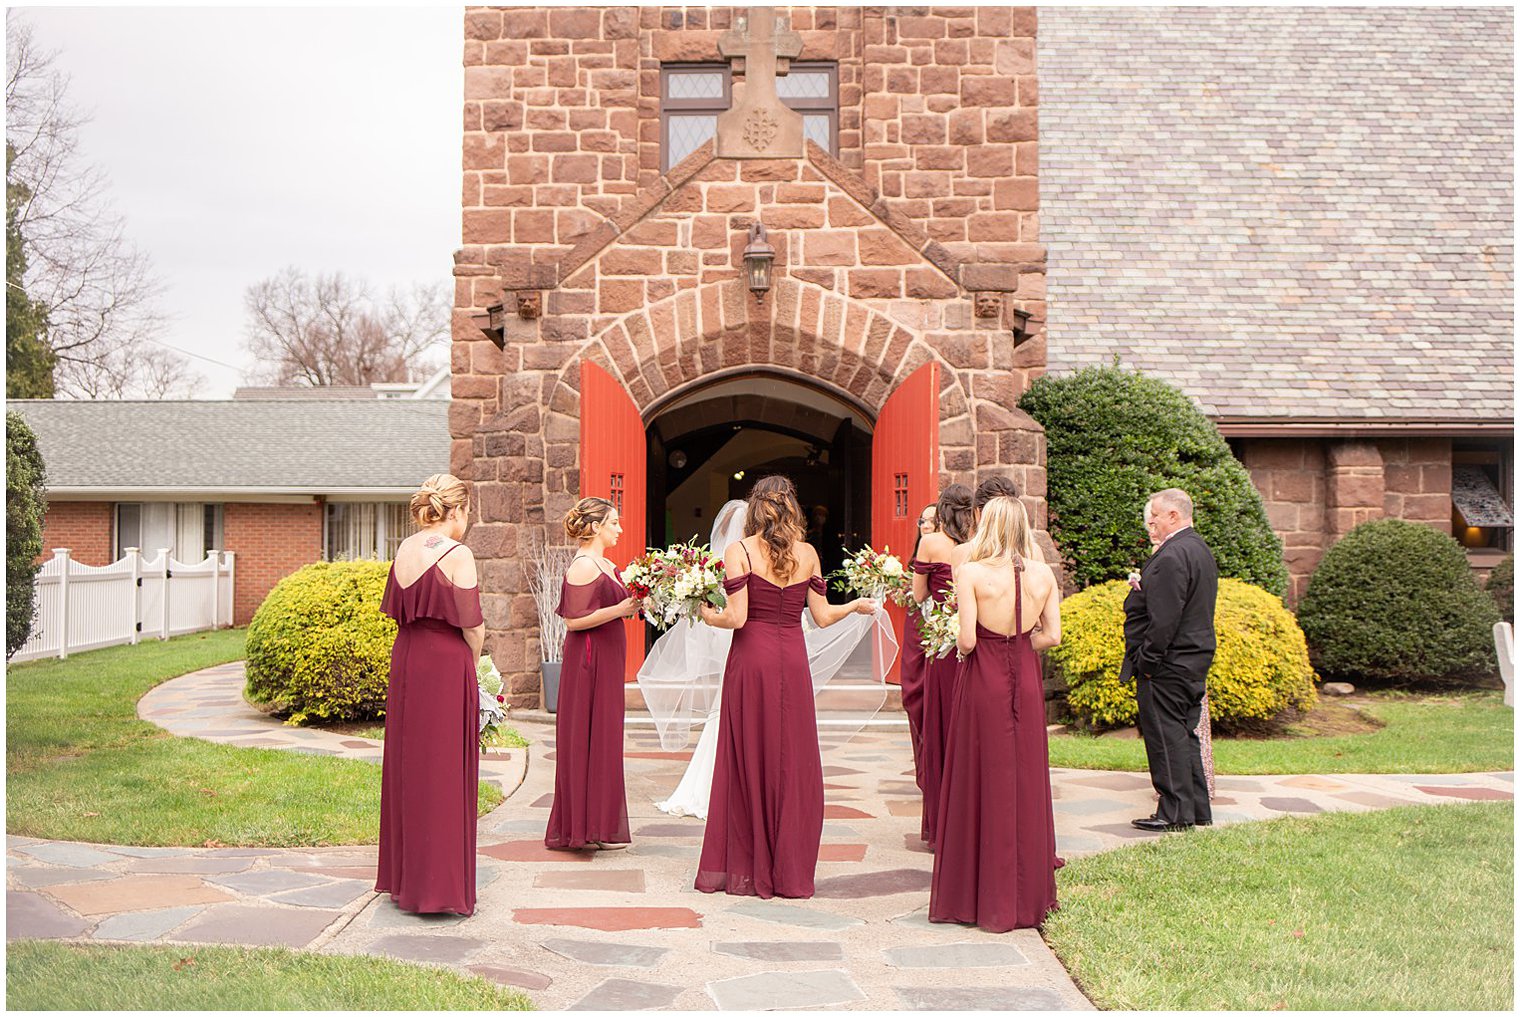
{"x": 270, "y": 542}
{"x": 84, "y": 527}
{"x": 1417, "y": 480}
{"x": 1290, "y": 474}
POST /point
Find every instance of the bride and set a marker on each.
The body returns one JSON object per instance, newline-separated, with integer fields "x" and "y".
{"x": 682, "y": 677}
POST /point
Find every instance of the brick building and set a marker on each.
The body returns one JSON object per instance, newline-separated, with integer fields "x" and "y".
{"x": 281, "y": 482}
{"x": 1193, "y": 174}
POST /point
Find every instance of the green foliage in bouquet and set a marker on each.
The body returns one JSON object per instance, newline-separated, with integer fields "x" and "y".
{"x": 1261, "y": 667}
{"x": 25, "y": 504}
{"x": 1501, "y": 586}
{"x": 319, "y": 648}
{"x": 1397, "y": 602}
{"x": 1114, "y": 437}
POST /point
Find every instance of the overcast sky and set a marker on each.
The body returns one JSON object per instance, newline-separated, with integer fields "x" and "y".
{"x": 239, "y": 141}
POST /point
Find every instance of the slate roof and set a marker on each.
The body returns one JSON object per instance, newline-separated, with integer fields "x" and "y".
{"x": 300, "y": 446}
{"x": 1292, "y": 213}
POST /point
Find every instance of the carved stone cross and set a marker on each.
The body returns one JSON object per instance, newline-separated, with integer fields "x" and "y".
{"x": 759, "y": 125}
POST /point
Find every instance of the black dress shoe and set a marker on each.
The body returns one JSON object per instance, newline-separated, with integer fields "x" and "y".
{"x": 1153, "y": 825}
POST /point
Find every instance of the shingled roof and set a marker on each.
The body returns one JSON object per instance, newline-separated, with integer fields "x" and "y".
{"x": 1291, "y": 213}
{"x": 384, "y": 446}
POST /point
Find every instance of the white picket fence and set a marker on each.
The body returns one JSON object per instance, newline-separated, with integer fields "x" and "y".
{"x": 84, "y": 607}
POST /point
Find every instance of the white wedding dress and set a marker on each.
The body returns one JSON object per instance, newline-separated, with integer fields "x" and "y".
{"x": 682, "y": 677}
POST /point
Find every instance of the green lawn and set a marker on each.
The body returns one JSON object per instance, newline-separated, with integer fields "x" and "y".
{"x": 1407, "y": 909}
{"x": 1422, "y": 734}
{"x": 57, "y": 976}
{"x": 81, "y": 766}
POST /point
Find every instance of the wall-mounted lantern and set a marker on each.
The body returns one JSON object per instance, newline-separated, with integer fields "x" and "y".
{"x": 494, "y": 323}
{"x": 758, "y": 258}
{"x": 1021, "y": 333}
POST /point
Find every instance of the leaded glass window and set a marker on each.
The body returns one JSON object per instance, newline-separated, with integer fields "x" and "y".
{"x": 692, "y": 96}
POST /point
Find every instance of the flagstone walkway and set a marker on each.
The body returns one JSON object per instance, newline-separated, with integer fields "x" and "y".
{"x": 625, "y": 930}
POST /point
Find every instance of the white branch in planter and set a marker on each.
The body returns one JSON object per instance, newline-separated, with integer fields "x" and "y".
{"x": 547, "y": 566}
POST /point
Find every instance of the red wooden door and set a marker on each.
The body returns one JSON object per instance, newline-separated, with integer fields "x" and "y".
{"x": 904, "y": 470}
{"x": 613, "y": 463}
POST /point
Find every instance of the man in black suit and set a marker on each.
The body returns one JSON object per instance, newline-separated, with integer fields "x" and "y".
{"x": 1168, "y": 647}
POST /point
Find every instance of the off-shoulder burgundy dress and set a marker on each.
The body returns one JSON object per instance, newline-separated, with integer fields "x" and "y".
{"x": 996, "y": 860}
{"x": 765, "y": 816}
{"x": 936, "y": 698}
{"x": 589, "y": 802}
{"x": 431, "y": 768}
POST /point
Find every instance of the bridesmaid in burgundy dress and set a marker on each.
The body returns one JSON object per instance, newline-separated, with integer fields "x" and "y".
{"x": 590, "y": 808}
{"x": 765, "y": 815}
{"x": 931, "y": 579}
{"x": 431, "y": 769}
{"x": 995, "y": 863}
{"x": 911, "y": 677}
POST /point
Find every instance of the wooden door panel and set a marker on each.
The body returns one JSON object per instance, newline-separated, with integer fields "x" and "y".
{"x": 613, "y": 466}
{"x": 904, "y": 469}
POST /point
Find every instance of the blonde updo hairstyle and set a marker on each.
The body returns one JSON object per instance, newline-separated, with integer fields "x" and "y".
{"x": 438, "y": 494}
{"x": 585, "y": 515}
{"x": 1003, "y": 533}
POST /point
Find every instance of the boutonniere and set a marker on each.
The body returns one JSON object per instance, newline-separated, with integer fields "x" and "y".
{"x": 1134, "y": 580}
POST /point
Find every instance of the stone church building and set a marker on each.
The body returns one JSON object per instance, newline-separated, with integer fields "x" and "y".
{"x": 703, "y": 244}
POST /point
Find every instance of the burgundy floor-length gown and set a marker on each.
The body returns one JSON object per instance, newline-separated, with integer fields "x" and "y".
{"x": 765, "y": 816}
{"x": 431, "y": 769}
{"x": 589, "y": 801}
{"x": 911, "y": 680}
{"x": 936, "y": 697}
{"x": 996, "y": 858}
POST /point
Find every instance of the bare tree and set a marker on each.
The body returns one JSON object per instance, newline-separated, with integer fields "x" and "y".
{"x": 331, "y": 330}
{"x": 131, "y": 372}
{"x": 98, "y": 290}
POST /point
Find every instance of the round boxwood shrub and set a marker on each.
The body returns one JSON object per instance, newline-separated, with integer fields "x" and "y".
{"x": 1261, "y": 667}
{"x": 25, "y": 504}
{"x": 1113, "y": 438}
{"x": 319, "y": 648}
{"x": 1397, "y": 602}
{"x": 1501, "y": 586}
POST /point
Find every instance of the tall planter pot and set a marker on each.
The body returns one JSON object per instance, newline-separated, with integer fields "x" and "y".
{"x": 549, "y": 673}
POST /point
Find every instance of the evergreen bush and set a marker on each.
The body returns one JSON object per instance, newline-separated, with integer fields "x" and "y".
{"x": 319, "y": 648}
{"x": 1397, "y": 602}
{"x": 1261, "y": 666}
{"x": 1113, "y": 438}
{"x": 1501, "y": 586}
{"x": 25, "y": 505}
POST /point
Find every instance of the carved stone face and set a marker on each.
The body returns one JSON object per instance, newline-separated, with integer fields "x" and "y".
{"x": 988, "y": 305}
{"x": 528, "y": 304}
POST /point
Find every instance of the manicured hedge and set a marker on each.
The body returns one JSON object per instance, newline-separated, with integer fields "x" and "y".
{"x": 25, "y": 504}
{"x": 1501, "y": 586}
{"x": 1114, "y": 437}
{"x": 1397, "y": 602}
{"x": 319, "y": 648}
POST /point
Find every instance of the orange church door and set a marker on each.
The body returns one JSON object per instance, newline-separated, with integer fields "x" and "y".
{"x": 613, "y": 464}
{"x": 904, "y": 472}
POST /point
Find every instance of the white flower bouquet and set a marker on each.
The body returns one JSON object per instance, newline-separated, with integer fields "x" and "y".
{"x": 876, "y": 574}
{"x": 939, "y": 626}
{"x": 675, "y": 582}
{"x": 493, "y": 709}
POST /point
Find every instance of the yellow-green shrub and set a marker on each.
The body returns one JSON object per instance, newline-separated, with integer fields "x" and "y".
{"x": 319, "y": 648}
{"x": 1260, "y": 668}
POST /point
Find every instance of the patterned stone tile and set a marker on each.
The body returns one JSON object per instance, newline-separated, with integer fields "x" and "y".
{"x": 611, "y": 919}
{"x": 193, "y": 863}
{"x": 534, "y": 851}
{"x": 692, "y": 829}
{"x": 841, "y": 852}
{"x": 338, "y": 871}
{"x": 329, "y": 895}
{"x": 844, "y": 771}
{"x": 137, "y": 893}
{"x": 32, "y": 916}
{"x": 1077, "y": 843}
{"x": 1312, "y": 783}
{"x": 627, "y": 994}
{"x": 844, "y": 812}
{"x": 773, "y": 952}
{"x": 542, "y": 801}
{"x": 1090, "y": 806}
{"x": 1476, "y": 794}
{"x": 1301, "y": 805}
{"x": 384, "y": 914}
{"x": 904, "y": 807}
{"x": 35, "y": 876}
{"x": 956, "y": 955}
{"x": 607, "y": 955}
{"x": 1443, "y": 779}
{"x": 914, "y": 842}
{"x": 249, "y": 925}
{"x": 1113, "y": 781}
{"x": 1122, "y": 830}
{"x": 267, "y": 881}
{"x": 785, "y": 990}
{"x": 532, "y": 827}
{"x": 666, "y": 850}
{"x": 841, "y": 831}
{"x": 872, "y": 884}
{"x": 1372, "y": 800}
{"x": 511, "y": 976}
{"x": 148, "y": 852}
{"x": 618, "y": 880}
{"x": 143, "y": 926}
{"x": 988, "y": 998}
{"x": 438, "y": 949}
{"x": 76, "y": 855}
{"x": 793, "y": 914}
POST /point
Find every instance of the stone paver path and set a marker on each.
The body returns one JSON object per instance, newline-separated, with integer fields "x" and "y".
{"x": 625, "y": 930}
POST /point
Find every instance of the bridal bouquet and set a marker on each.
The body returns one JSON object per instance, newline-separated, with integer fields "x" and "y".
{"x": 676, "y": 582}
{"x": 492, "y": 701}
{"x": 876, "y": 574}
{"x": 939, "y": 626}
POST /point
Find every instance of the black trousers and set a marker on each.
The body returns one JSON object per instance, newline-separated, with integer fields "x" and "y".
{"x": 1170, "y": 708}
